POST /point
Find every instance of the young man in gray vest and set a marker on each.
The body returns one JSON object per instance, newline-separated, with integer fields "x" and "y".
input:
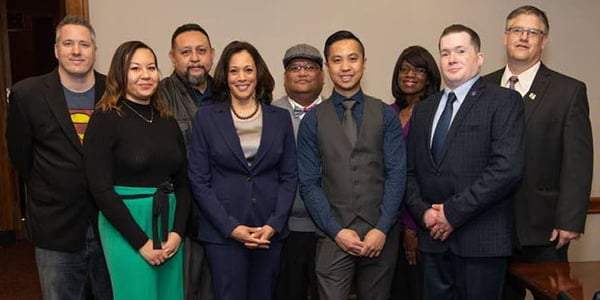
{"x": 352, "y": 167}
{"x": 303, "y": 81}
{"x": 188, "y": 88}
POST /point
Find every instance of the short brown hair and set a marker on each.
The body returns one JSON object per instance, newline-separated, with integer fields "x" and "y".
{"x": 458, "y": 28}
{"x": 76, "y": 20}
{"x": 529, "y": 10}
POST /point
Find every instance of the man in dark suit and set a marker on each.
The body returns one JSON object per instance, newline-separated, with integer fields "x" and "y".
{"x": 550, "y": 203}
{"x": 351, "y": 162}
{"x": 464, "y": 160}
{"x": 46, "y": 122}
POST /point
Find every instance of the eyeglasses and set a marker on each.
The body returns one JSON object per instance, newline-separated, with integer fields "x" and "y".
{"x": 531, "y": 31}
{"x": 416, "y": 71}
{"x": 306, "y": 67}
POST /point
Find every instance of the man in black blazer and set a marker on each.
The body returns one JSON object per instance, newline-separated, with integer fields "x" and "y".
{"x": 550, "y": 203}
{"x": 464, "y": 160}
{"x": 46, "y": 124}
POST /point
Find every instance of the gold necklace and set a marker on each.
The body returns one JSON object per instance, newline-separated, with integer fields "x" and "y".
{"x": 140, "y": 115}
{"x": 247, "y": 117}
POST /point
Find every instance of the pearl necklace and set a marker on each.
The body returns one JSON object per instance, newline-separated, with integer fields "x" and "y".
{"x": 140, "y": 115}
{"x": 246, "y": 117}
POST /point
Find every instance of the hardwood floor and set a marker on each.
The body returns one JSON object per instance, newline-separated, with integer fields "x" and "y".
{"x": 18, "y": 274}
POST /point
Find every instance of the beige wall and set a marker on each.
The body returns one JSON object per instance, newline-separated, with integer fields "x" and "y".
{"x": 385, "y": 27}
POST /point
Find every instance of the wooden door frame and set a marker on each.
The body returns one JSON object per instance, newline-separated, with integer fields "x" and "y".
{"x": 77, "y": 7}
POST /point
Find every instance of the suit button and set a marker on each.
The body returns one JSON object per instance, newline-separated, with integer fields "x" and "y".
{"x": 253, "y": 200}
{"x": 437, "y": 174}
{"x": 355, "y": 182}
{"x": 249, "y": 178}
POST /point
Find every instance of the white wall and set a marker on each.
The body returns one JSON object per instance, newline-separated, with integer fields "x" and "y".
{"x": 385, "y": 27}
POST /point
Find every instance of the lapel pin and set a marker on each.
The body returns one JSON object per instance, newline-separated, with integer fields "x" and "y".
{"x": 532, "y": 96}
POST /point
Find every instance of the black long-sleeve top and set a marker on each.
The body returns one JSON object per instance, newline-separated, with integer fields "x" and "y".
{"x": 124, "y": 149}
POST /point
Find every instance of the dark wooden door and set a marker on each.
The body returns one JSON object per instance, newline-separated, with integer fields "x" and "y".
{"x": 26, "y": 49}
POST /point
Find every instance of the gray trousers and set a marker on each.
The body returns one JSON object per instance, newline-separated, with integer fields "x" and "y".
{"x": 336, "y": 269}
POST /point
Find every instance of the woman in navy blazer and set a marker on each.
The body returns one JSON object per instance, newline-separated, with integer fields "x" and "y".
{"x": 243, "y": 173}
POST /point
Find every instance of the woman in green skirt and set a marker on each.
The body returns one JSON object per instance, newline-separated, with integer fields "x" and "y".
{"x": 136, "y": 165}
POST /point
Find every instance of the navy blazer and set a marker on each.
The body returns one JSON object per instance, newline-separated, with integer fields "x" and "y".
{"x": 481, "y": 164}
{"x": 227, "y": 190}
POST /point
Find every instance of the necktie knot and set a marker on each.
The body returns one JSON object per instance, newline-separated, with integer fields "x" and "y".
{"x": 348, "y": 104}
{"x": 512, "y": 81}
{"x": 451, "y": 98}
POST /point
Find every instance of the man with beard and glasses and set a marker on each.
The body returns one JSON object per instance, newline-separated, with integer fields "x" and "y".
{"x": 188, "y": 88}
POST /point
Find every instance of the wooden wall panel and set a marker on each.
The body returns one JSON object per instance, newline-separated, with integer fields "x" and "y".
{"x": 10, "y": 213}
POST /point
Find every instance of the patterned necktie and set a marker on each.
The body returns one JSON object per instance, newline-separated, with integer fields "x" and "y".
{"x": 512, "y": 81}
{"x": 299, "y": 111}
{"x": 349, "y": 122}
{"x": 441, "y": 130}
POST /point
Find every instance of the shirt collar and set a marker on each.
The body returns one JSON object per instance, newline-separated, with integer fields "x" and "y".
{"x": 462, "y": 90}
{"x": 337, "y": 98}
{"x": 299, "y": 111}
{"x": 525, "y": 79}
{"x": 297, "y": 105}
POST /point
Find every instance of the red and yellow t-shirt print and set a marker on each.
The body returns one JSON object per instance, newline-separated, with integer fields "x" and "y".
{"x": 80, "y": 119}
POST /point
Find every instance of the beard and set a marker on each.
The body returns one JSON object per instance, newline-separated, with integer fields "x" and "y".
{"x": 195, "y": 80}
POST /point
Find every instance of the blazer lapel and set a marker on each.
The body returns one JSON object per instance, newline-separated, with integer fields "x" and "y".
{"x": 267, "y": 135}
{"x": 55, "y": 97}
{"x": 430, "y": 117}
{"x": 536, "y": 92}
{"x": 224, "y": 123}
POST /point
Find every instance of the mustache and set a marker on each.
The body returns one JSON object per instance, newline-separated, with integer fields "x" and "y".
{"x": 197, "y": 66}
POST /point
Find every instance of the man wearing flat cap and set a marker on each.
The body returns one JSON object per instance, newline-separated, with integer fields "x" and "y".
{"x": 352, "y": 171}
{"x": 303, "y": 82}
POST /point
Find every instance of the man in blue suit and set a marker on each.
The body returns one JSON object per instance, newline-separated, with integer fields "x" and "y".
{"x": 464, "y": 159}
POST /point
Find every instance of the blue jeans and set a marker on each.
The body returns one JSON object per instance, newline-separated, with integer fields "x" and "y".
{"x": 74, "y": 275}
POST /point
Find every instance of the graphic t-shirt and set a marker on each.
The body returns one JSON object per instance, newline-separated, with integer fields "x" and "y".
{"x": 81, "y": 107}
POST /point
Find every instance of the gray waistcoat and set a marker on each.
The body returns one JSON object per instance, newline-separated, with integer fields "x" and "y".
{"x": 352, "y": 179}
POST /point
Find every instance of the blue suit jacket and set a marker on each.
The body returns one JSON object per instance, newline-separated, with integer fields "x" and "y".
{"x": 481, "y": 164}
{"x": 228, "y": 191}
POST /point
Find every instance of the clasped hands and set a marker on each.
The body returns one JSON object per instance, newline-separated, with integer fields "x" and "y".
{"x": 371, "y": 246}
{"x": 435, "y": 220}
{"x": 157, "y": 257}
{"x": 253, "y": 237}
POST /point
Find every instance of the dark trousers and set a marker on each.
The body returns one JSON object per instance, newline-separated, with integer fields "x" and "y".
{"x": 449, "y": 277}
{"x": 240, "y": 273}
{"x": 297, "y": 278}
{"x": 408, "y": 279}
{"x": 337, "y": 269}
{"x": 531, "y": 254}
{"x": 197, "y": 280}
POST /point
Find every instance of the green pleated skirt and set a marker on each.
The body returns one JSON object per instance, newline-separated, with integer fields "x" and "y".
{"x": 132, "y": 277}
